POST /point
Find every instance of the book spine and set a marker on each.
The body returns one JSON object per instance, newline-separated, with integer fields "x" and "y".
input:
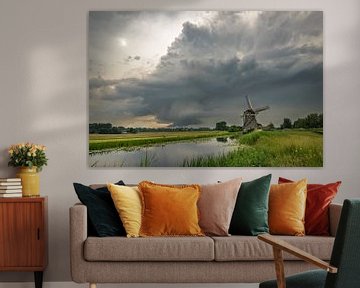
{"x": 10, "y": 180}
{"x": 10, "y": 183}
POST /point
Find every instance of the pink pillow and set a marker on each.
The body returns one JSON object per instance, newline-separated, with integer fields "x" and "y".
{"x": 216, "y": 205}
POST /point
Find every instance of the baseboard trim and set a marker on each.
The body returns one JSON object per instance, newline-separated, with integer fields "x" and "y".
{"x": 74, "y": 285}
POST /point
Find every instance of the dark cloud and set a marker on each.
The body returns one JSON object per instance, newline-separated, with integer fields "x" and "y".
{"x": 100, "y": 82}
{"x": 209, "y": 68}
{"x": 130, "y": 58}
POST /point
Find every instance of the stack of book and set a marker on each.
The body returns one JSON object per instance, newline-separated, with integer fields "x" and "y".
{"x": 10, "y": 187}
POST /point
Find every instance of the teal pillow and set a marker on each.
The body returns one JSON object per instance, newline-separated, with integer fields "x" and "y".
{"x": 250, "y": 216}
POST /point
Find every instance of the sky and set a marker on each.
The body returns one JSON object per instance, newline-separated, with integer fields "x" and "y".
{"x": 194, "y": 68}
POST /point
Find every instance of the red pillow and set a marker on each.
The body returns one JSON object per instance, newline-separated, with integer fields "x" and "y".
{"x": 319, "y": 197}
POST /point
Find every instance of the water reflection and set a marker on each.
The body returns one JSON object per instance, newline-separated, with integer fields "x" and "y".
{"x": 222, "y": 139}
{"x": 165, "y": 155}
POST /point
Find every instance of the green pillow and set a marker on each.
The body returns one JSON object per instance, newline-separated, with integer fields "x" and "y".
{"x": 250, "y": 216}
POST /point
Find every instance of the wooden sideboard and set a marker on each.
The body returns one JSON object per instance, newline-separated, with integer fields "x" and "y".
{"x": 23, "y": 235}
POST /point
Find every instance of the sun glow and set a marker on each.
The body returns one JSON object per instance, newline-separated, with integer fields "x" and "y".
{"x": 122, "y": 42}
{"x": 149, "y": 121}
{"x": 149, "y": 32}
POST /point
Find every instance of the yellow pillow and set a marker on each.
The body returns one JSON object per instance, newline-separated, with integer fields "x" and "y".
{"x": 169, "y": 210}
{"x": 287, "y": 204}
{"x": 127, "y": 201}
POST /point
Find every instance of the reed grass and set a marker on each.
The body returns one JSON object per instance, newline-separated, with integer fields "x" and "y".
{"x": 284, "y": 148}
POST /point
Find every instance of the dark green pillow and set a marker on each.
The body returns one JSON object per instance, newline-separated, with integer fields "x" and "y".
{"x": 102, "y": 215}
{"x": 250, "y": 216}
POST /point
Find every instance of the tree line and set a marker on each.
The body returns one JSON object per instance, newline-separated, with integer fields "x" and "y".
{"x": 108, "y": 128}
{"x": 312, "y": 120}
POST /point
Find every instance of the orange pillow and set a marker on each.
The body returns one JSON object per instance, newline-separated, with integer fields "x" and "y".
{"x": 287, "y": 204}
{"x": 169, "y": 210}
{"x": 318, "y": 200}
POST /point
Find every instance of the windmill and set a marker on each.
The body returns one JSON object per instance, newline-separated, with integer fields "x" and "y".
{"x": 249, "y": 116}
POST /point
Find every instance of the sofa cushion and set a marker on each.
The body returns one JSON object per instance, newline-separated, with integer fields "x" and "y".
{"x": 287, "y": 204}
{"x": 244, "y": 248}
{"x": 169, "y": 210}
{"x": 102, "y": 216}
{"x": 216, "y": 205}
{"x": 250, "y": 215}
{"x": 318, "y": 199}
{"x": 149, "y": 249}
{"x": 127, "y": 201}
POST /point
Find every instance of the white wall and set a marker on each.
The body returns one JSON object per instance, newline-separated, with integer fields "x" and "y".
{"x": 43, "y": 90}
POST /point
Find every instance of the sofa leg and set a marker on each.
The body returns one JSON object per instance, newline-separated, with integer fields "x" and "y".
{"x": 92, "y": 285}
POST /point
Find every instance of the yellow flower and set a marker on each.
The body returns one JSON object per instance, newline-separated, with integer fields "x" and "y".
{"x": 42, "y": 147}
{"x": 27, "y": 153}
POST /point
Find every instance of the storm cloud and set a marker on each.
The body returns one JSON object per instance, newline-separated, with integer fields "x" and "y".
{"x": 274, "y": 57}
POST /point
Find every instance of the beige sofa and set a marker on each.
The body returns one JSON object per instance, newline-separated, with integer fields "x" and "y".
{"x": 234, "y": 259}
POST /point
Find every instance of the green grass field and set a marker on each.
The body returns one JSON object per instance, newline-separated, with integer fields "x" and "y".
{"x": 279, "y": 148}
{"x": 284, "y": 148}
{"x": 99, "y": 142}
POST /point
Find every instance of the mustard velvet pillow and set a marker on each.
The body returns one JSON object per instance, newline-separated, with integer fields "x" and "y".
{"x": 169, "y": 210}
{"x": 127, "y": 201}
{"x": 287, "y": 204}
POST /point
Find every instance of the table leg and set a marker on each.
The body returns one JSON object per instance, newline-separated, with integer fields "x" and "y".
{"x": 38, "y": 279}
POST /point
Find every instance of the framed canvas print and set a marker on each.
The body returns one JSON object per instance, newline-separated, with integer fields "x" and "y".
{"x": 205, "y": 88}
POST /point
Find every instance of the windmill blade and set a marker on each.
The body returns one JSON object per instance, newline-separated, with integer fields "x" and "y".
{"x": 257, "y": 110}
{"x": 248, "y": 102}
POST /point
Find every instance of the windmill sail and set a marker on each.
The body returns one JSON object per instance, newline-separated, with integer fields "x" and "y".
{"x": 257, "y": 110}
{"x": 248, "y": 102}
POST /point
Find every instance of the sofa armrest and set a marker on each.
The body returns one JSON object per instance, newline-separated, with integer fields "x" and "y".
{"x": 334, "y": 217}
{"x": 78, "y": 235}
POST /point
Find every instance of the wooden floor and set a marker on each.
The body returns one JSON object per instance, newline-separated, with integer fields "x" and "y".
{"x": 74, "y": 285}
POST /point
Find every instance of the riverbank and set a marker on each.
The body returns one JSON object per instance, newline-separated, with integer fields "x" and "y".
{"x": 278, "y": 148}
{"x": 281, "y": 148}
{"x": 101, "y": 142}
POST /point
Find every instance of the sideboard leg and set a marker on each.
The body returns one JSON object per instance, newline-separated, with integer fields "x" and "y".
{"x": 92, "y": 285}
{"x": 38, "y": 279}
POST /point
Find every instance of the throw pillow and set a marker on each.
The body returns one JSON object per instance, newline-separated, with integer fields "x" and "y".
{"x": 250, "y": 215}
{"x": 169, "y": 210}
{"x": 127, "y": 201}
{"x": 319, "y": 197}
{"x": 102, "y": 215}
{"x": 216, "y": 206}
{"x": 287, "y": 204}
